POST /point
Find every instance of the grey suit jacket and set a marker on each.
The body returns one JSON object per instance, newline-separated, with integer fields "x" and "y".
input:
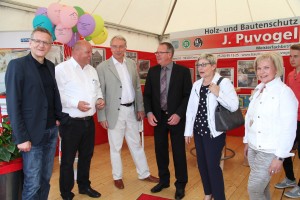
{"x": 111, "y": 87}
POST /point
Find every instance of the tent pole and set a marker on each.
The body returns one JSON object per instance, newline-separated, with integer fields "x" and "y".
{"x": 167, "y": 23}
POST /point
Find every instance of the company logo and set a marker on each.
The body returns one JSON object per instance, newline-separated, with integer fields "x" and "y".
{"x": 186, "y": 44}
{"x": 175, "y": 44}
{"x": 198, "y": 42}
{"x": 25, "y": 39}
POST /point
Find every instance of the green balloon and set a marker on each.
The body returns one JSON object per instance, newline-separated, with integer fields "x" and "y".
{"x": 88, "y": 38}
{"x": 74, "y": 29}
{"x": 79, "y": 10}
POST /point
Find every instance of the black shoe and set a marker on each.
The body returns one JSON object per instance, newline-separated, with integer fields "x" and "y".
{"x": 179, "y": 194}
{"x": 159, "y": 187}
{"x": 68, "y": 198}
{"x": 90, "y": 192}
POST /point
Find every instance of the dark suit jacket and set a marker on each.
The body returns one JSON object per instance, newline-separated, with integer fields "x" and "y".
{"x": 26, "y": 99}
{"x": 178, "y": 94}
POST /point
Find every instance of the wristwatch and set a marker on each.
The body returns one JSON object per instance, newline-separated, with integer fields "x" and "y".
{"x": 279, "y": 158}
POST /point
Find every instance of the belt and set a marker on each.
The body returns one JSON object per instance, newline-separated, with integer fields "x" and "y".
{"x": 82, "y": 118}
{"x": 127, "y": 104}
{"x": 164, "y": 112}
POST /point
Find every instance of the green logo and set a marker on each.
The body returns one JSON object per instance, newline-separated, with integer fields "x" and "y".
{"x": 186, "y": 44}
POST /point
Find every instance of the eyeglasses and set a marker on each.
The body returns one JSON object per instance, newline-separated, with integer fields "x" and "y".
{"x": 39, "y": 42}
{"x": 202, "y": 65}
{"x": 118, "y": 47}
{"x": 160, "y": 52}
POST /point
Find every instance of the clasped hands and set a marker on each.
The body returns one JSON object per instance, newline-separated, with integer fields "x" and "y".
{"x": 85, "y": 106}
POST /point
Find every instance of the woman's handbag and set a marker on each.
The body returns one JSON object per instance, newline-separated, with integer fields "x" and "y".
{"x": 226, "y": 120}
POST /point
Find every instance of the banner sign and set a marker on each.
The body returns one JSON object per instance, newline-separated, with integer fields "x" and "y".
{"x": 277, "y": 35}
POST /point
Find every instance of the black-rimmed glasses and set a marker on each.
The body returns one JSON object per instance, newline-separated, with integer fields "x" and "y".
{"x": 160, "y": 52}
{"x": 39, "y": 42}
{"x": 202, "y": 64}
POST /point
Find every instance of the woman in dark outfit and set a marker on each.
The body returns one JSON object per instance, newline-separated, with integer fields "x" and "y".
{"x": 200, "y": 122}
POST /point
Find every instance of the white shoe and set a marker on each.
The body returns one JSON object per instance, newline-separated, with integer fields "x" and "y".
{"x": 285, "y": 183}
{"x": 293, "y": 193}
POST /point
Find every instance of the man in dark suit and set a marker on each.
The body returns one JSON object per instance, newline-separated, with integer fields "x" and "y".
{"x": 170, "y": 117}
{"x": 34, "y": 108}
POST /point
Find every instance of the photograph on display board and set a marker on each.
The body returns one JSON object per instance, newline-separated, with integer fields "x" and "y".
{"x": 132, "y": 55}
{"x": 244, "y": 101}
{"x": 197, "y": 75}
{"x": 143, "y": 68}
{"x": 227, "y": 72}
{"x": 246, "y": 74}
{"x": 6, "y": 55}
{"x": 56, "y": 54}
{"x": 192, "y": 74}
{"x": 98, "y": 55}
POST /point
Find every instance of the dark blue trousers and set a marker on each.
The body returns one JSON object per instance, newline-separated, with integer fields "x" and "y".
{"x": 209, "y": 152}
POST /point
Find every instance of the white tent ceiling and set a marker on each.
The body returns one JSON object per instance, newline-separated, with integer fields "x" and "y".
{"x": 145, "y": 22}
{"x": 152, "y": 15}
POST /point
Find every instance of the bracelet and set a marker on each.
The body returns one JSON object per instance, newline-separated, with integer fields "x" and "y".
{"x": 279, "y": 158}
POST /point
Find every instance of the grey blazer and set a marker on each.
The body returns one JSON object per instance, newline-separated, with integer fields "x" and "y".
{"x": 111, "y": 87}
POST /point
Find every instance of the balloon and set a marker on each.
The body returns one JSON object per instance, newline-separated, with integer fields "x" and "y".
{"x": 99, "y": 25}
{"x": 63, "y": 34}
{"x": 101, "y": 38}
{"x": 74, "y": 29}
{"x": 42, "y": 21}
{"x": 86, "y": 25}
{"x": 74, "y": 39}
{"x": 54, "y": 13}
{"x": 79, "y": 11}
{"x": 68, "y": 16}
{"x": 88, "y": 38}
{"x": 41, "y": 11}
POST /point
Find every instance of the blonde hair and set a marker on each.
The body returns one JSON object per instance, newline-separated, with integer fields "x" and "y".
{"x": 274, "y": 57}
{"x": 212, "y": 59}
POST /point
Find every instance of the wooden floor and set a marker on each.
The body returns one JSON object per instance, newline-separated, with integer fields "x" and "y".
{"x": 235, "y": 175}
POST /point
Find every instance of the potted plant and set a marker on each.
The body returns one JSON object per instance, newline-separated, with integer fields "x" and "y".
{"x": 11, "y": 174}
{"x": 8, "y": 150}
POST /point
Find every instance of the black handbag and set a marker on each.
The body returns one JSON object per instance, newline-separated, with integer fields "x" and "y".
{"x": 226, "y": 120}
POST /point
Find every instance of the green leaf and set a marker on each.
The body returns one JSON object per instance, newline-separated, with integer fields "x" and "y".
{"x": 4, "y": 155}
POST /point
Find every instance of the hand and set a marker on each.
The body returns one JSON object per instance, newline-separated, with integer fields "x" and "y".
{"x": 100, "y": 103}
{"x": 246, "y": 150}
{"x": 152, "y": 120}
{"x": 104, "y": 124}
{"x": 188, "y": 139}
{"x": 174, "y": 119}
{"x": 140, "y": 115}
{"x": 275, "y": 166}
{"x": 83, "y": 106}
{"x": 215, "y": 89}
{"x": 25, "y": 146}
{"x": 57, "y": 123}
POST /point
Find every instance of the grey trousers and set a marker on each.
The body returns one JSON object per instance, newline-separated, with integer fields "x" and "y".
{"x": 259, "y": 178}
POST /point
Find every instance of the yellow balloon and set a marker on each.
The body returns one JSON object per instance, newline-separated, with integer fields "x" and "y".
{"x": 101, "y": 38}
{"x": 99, "y": 25}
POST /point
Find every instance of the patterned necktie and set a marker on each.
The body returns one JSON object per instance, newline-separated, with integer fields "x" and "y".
{"x": 163, "y": 89}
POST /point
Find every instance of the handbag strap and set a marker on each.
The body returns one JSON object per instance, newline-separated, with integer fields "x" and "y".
{"x": 220, "y": 79}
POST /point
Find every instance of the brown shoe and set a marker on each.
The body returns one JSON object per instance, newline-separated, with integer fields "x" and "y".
{"x": 119, "y": 184}
{"x": 152, "y": 179}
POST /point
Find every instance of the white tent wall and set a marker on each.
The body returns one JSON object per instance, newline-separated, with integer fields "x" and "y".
{"x": 12, "y": 19}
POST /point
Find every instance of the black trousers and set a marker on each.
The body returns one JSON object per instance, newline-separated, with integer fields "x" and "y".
{"x": 209, "y": 152}
{"x": 288, "y": 163}
{"x": 161, "y": 138}
{"x": 76, "y": 135}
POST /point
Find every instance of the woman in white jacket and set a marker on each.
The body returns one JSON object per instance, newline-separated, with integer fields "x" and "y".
{"x": 270, "y": 125}
{"x": 200, "y": 122}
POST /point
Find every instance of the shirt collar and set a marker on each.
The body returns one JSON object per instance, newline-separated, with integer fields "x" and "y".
{"x": 37, "y": 63}
{"x": 116, "y": 62}
{"x": 169, "y": 66}
{"x": 74, "y": 62}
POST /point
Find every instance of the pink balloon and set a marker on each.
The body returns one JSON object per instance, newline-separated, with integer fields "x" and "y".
{"x": 54, "y": 13}
{"x": 68, "y": 16}
{"x": 74, "y": 39}
{"x": 63, "y": 34}
{"x": 41, "y": 11}
{"x": 86, "y": 25}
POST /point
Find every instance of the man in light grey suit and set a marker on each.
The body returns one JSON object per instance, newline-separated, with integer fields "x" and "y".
{"x": 121, "y": 90}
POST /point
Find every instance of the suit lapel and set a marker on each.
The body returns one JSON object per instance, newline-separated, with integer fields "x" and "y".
{"x": 173, "y": 76}
{"x": 112, "y": 68}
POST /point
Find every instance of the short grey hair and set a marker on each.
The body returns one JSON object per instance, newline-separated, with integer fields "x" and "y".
{"x": 119, "y": 37}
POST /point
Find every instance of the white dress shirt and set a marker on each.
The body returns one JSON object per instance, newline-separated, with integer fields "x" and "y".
{"x": 127, "y": 88}
{"x": 76, "y": 84}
